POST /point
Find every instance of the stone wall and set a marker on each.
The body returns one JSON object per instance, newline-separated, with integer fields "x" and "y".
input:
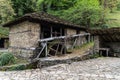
{"x": 97, "y": 43}
{"x": 24, "y": 36}
{"x": 70, "y": 31}
{"x": 21, "y": 53}
{"x": 46, "y": 62}
{"x": 81, "y": 40}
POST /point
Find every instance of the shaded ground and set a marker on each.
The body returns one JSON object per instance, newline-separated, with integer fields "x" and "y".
{"x": 94, "y": 69}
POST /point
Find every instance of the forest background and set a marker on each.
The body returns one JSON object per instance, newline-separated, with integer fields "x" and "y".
{"x": 88, "y": 13}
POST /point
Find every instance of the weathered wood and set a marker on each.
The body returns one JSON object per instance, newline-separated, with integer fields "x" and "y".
{"x": 74, "y": 43}
{"x": 44, "y": 43}
{"x": 62, "y": 48}
{"x": 52, "y": 49}
{"x": 62, "y": 37}
{"x": 46, "y": 50}
{"x": 43, "y": 47}
{"x": 51, "y": 31}
{"x": 57, "y": 49}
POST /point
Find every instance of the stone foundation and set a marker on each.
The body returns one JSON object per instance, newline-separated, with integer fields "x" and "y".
{"x": 50, "y": 62}
{"x": 22, "y": 53}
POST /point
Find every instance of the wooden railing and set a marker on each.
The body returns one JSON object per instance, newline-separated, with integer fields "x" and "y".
{"x": 61, "y": 40}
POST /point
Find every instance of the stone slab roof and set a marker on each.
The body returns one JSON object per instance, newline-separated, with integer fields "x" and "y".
{"x": 110, "y": 35}
{"x": 42, "y": 16}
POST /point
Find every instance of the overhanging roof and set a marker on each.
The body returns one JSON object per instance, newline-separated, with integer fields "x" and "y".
{"x": 108, "y": 35}
{"x": 37, "y": 17}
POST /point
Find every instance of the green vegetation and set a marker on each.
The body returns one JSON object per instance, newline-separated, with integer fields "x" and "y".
{"x": 82, "y": 48}
{"x": 22, "y": 7}
{"x": 6, "y": 11}
{"x": 9, "y": 62}
{"x": 86, "y": 13}
{"x": 113, "y": 19}
{"x": 18, "y": 67}
{"x": 96, "y": 55}
{"x": 89, "y": 13}
{"x": 6, "y": 58}
{"x": 85, "y": 45}
{"x": 4, "y": 32}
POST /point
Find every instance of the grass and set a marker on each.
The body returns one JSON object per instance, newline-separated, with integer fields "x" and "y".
{"x": 113, "y": 19}
{"x": 85, "y": 45}
{"x": 9, "y": 62}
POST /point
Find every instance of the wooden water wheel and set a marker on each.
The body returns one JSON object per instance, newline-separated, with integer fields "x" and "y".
{"x": 56, "y": 48}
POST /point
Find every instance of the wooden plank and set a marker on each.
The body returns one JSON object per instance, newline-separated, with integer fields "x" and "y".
{"x": 57, "y": 49}
{"x": 46, "y": 50}
{"x": 51, "y": 29}
{"x": 44, "y": 45}
{"x": 74, "y": 43}
{"x": 62, "y": 37}
{"x": 52, "y": 49}
{"x": 62, "y": 48}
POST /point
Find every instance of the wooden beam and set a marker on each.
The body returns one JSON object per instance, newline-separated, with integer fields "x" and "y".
{"x": 62, "y": 37}
{"x": 43, "y": 47}
{"x": 51, "y": 30}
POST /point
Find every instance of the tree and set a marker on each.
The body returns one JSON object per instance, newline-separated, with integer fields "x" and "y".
{"x": 112, "y": 4}
{"x": 54, "y": 5}
{"x": 109, "y": 4}
{"x": 6, "y": 11}
{"x": 22, "y": 7}
{"x": 85, "y": 12}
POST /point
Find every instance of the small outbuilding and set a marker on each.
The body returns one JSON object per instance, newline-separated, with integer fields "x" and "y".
{"x": 107, "y": 41}
{"x": 26, "y": 31}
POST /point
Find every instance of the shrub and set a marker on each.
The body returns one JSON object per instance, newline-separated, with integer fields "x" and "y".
{"x": 6, "y": 58}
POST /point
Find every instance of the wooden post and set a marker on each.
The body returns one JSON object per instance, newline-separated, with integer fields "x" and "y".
{"x": 57, "y": 49}
{"x": 74, "y": 43}
{"x": 51, "y": 29}
{"x": 107, "y": 52}
{"x": 88, "y": 38}
{"x": 62, "y": 49}
{"x": 65, "y": 45}
{"x": 46, "y": 50}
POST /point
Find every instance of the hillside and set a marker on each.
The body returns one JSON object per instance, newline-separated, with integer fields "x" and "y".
{"x": 113, "y": 19}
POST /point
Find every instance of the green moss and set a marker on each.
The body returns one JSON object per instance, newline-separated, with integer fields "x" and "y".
{"x": 95, "y": 56}
{"x": 18, "y": 67}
